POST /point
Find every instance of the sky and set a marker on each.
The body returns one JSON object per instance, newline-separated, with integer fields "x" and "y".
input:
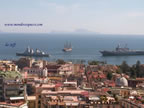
{"x": 100, "y": 16}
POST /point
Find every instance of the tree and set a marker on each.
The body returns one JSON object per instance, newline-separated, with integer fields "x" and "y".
{"x": 109, "y": 75}
{"x": 125, "y": 67}
{"x": 137, "y": 68}
{"x": 94, "y": 62}
{"x": 60, "y": 61}
{"x": 133, "y": 73}
{"x": 22, "y": 62}
{"x": 119, "y": 71}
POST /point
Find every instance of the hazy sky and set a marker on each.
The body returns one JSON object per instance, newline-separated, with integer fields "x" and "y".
{"x": 104, "y": 16}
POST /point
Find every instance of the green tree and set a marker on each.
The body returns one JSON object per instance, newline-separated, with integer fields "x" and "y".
{"x": 137, "y": 68}
{"x": 133, "y": 73}
{"x": 94, "y": 62}
{"x": 119, "y": 71}
{"x": 125, "y": 67}
{"x": 109, "y": 75}
{"x": 60, "y": 61}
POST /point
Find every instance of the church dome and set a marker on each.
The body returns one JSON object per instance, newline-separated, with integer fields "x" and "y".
{"x": 122, "y": 81}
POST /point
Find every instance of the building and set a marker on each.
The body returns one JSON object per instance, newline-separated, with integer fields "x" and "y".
{"x": 53, "y": 69}
{"x": 31, "y": 101}
{"x": 123, "y": 92}
{"x": 11, "y": 85}
{"x": 12, "y": 91}
{"x": 1, "y": 88}
{"x": 8, "y": 66}
{"x": 13, "y": 88}
{"x": 39, "y": 89}
{"x": 127, "y": 103}
{"x": 62, "y": 99}
{"x": 40, "y": 72}
{"x": 66, "y": 69}
{"x": 134, "y": 82}
{"x": 57, "y": 69}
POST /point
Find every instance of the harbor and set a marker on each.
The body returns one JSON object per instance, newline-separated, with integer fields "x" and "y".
{"x": 86, "y": 50}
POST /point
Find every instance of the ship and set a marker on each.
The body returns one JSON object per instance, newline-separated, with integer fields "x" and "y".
{"x": 67, "y": 47}
{"x": 30, "y": 52}
{"x": 119, "y": 51}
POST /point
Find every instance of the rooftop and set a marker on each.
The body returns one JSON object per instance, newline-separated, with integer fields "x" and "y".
{"x": 63, "y": 92}
{"x": 45, "y": 86}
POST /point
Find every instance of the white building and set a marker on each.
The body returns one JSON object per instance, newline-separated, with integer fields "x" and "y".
{"x": 66, "y": 69}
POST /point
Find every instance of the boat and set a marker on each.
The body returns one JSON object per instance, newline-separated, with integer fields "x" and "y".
{"x": 122, "y": 52}
{"x": 67, "y": 47}
{"x": 30, "y": 52}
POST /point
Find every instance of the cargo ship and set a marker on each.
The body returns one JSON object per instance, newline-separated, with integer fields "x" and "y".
{"x": 67, "y": 47}
{"x": 122, "y": 52}
{"x": 30, "y": 52}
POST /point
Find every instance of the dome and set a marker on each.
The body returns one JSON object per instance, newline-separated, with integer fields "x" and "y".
{"x": 122, "y": 81}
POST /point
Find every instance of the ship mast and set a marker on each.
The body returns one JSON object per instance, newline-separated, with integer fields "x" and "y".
{"x": 70, "y": 45}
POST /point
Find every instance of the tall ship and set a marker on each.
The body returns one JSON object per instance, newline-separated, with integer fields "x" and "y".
{"x": 119, "y": 51}
{"x": 67, "y": 47}
{"x": 30, "y": 52}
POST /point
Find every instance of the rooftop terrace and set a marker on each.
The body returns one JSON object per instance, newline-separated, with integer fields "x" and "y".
{"x": 10, "y": 74}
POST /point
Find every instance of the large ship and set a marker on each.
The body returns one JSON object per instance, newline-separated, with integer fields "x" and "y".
{"x": 30, "y": 52}
{"x": 122, "y": 52}
{"x": 67, "y": 47}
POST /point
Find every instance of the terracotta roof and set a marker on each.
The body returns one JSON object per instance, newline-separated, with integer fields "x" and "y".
{"x": 105, "y": 89}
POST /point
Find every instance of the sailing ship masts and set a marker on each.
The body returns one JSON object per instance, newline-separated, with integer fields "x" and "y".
{"x": 67, "y": 47}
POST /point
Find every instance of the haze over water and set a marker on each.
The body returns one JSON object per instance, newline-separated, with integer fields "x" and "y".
{"x": 85, "y": 46}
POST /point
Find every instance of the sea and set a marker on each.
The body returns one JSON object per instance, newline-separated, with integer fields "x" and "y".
{"x": 85, "y": 47}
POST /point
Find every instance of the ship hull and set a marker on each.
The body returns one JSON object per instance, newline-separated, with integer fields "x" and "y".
{"x": 114, "y": 53}
{"x": 67, "y": 50}
{"x": 32, "y": 55}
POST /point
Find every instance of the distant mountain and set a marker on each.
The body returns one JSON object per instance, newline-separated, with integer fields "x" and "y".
{"x": 58, "y": 32}
{"x": 77, "y": 31}
{"x": 85, "y": 31}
